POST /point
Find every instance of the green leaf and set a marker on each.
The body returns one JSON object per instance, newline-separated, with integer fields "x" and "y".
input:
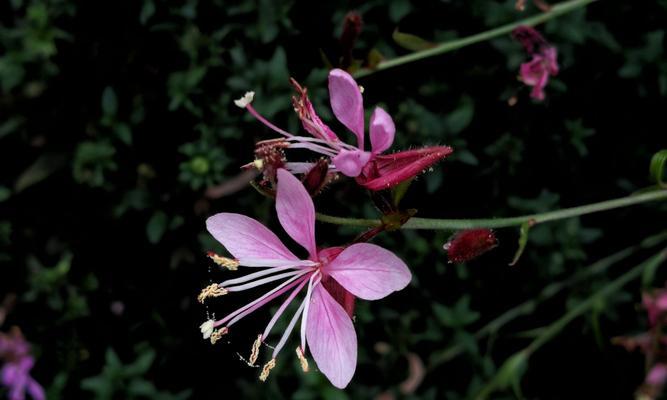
{"x": 5, "y": 193}
{"x": 460, "y": 118}
{"x": 109, "y": 101}
{"x": 657, "y": 168}
{"x": 41, "y": 169}
{"x": 523, "y": 240}
{"x": 124, "y": 133}
{"x": 147, "y": 11}
{"x": 156, "y": 227}
{"x": 399, "y": 191}
{"x": 411, "y": 42}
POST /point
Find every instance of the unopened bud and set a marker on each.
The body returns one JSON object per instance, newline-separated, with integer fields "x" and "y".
{"x": 469, "y": 244}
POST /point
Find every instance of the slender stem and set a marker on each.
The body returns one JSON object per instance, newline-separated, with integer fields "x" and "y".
{"x": 557, "y": 10}
{"x": 454, "y": 224}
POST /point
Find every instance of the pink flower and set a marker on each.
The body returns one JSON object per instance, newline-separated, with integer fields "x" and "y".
{"x": 544, "y": 63}
{"x": 328, "y": 277}
{"x": 372, "y": 169}
{"x": 656, "y": 305}
{"x": 15, "y": 372}
{"x": 536, "y": 72}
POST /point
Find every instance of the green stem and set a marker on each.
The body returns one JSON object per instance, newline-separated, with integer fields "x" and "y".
{"x": 557, "y": 10}
{"x": 454, "y": 224}
{"x": 528, "y": 307}
{"x": 497, "y": 382}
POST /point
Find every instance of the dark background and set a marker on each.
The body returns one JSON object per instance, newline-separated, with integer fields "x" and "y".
{"x": 116, "y": 116}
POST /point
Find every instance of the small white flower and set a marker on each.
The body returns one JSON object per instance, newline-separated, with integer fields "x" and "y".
{"x": 245, "y": 100}
{"x": 207, "y": 328}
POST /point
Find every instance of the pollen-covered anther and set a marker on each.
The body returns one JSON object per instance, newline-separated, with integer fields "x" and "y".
{"x": 254, "y": 352}
{"x": 218, "y": 334}
{"x": 245, "y": 100}
{"x": 302, "y": 359}
{"x": 228, "y": 263}
{"x": 212, "y": 290}
{"x": 267, "y": 369}
{"x": 259, "y": 164}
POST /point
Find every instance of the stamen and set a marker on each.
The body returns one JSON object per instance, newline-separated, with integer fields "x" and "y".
{"x": 218, "y": 334}
{"x": 289, "y": 329}
{"x": 304, "y": 320}
{"x": 228, "y": 263}
{"x": 313, "y": 147}
{"x": 266, "y": 122}
{"x": 260, "y": 301}
{"x": 245, "y": 100}
{"x": 263, "y": 281}
{"x": 259, "y": 164}
{"x": 254, "y": 275}
{"x": 282, "y": 308}
{"x": 266, "y": 369}
{"x": 302, "y": 359}
{"x": 213, "y": 290}
{"x": 254, "y": 353}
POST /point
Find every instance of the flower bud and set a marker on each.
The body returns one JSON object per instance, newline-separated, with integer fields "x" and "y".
{"x": 469, "y": 244}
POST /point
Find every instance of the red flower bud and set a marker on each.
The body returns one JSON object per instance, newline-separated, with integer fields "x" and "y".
{"x": 469, "y": 244}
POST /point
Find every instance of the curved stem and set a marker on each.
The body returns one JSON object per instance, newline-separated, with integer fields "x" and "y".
{"x": 454, "y": 224}
{"x": 557, "y": 10}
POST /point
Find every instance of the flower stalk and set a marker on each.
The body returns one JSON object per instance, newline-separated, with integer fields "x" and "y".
{"x": 455, "y": 224}
{"x": 555, "y": 11}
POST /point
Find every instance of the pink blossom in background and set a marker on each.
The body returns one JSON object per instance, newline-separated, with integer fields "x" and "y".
{"x": 536, "y": 72}
{"x": 655, "y": 304}
{"x": 17, "y": 363}
{"x": 330, "y": 278}
{"x": 372, "y": 169}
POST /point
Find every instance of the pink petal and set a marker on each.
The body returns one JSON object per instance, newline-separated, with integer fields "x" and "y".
{"x": 369, "y": 271}
{"x": 350, "y": 162}
{"x": 296, "y": 211}
{"x": 35, "y": 389}
{"x": 331, "y": 337}
{"x": 347, "y": 103}
{"x": 244, "y": 237}
{"x": 382, "y": 130}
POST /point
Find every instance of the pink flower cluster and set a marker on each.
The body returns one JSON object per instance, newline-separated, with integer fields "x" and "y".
{"x": 374, "y": 169}
{"x": 17, "y": 363}
{"x": 328, "y": 280}
{"x": 543, "y": 64}
{"x": 652, "y": 343}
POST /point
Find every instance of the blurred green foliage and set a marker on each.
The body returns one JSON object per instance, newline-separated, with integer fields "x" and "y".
{"x": 118, "y": 116}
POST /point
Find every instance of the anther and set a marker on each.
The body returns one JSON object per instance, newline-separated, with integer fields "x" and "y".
{"x": 254, "y": 353}
{"x": 245, "y": 100}
{"x": 266, "y": 369}
{"x": 218, "y": 334}
{"x": 302, "y": 359}
{"x": 228, "y": 263}
{"x": 212, "y": 290}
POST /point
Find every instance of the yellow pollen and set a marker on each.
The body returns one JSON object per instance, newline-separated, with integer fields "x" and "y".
{"x": 254, "y": 353}
{"x": 302, "y": 359}
{"x": 266, "y": 369}
{"x": 228, "y": 263}
{"x": 259, "y": 164}
{"x": 218, "y": 334}
{"x": 213, "y": 290}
